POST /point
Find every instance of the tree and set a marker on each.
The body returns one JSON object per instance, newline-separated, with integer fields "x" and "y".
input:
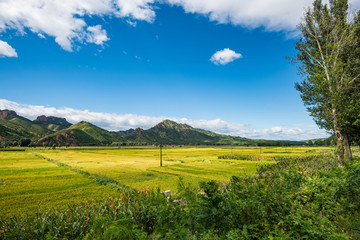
{"x": 328, "y": 58}
{"x": 24, "y": 142}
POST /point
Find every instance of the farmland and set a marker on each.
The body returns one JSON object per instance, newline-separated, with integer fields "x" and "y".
{"x": 44, "y": 178}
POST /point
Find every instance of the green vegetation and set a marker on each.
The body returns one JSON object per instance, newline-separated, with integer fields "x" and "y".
{"x": 298, "y": 197}
{"x": 139, "y": 167}
{"x": 30, "y": 183}
{"x": 38, "y": 178}
{"x": 14, "y": 128}
{"x": 328, "y": 56}
{"x": 81, "y": 134}
{"x": 101, "y": 135}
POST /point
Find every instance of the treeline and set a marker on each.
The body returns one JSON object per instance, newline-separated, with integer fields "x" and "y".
{"x": 331, "y": 141}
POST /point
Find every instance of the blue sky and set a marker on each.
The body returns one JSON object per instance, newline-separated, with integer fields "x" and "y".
{"x": 132, "y": 69}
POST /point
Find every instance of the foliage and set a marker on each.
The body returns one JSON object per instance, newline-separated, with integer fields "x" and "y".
{"x": 328, "y": 57}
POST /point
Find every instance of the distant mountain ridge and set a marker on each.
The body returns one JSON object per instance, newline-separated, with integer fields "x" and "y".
{"x": 126, "y": 132}
{"x": 48, "y": 131}
{"x": 14, "y": 127}
{"x": 52, "y": 123}
{"x": 81, "y": 134}
{"x": 7, "y": 113}
{"x": 170, "y": 132}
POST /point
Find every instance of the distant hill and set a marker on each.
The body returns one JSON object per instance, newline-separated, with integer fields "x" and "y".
{"x": 53, "y": 123}
{"x": 81, "y": 134}
{"x": 53, "y": 130}
{"x": 97, "y": 133}
{"x": 15, "y": 127}
{"x": 124, "y": 133}
{"x": 170, "y": 132}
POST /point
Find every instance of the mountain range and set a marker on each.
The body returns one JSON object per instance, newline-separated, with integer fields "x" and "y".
{"x": 49, "y": 131}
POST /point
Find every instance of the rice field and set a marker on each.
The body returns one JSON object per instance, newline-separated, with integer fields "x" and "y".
{"x": 44, "y": 179}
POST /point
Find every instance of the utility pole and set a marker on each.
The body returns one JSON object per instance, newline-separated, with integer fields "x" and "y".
{"x": 161, "y": 146}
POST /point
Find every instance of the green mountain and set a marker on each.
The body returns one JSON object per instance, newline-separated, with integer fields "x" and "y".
{"x": 81, "y": 134}
{"x": 124, "y": 133}
{"x": 15, "y": 127}
{"x": 53, "y": 123}
{"x": 52, "y": 130}
{"x": 97, "y": 133}
{"x": 170, "y": 132}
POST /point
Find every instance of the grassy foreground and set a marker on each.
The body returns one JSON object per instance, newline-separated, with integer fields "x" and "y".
{"x": 298, "y": 197}
{"x": 43, "y": 179}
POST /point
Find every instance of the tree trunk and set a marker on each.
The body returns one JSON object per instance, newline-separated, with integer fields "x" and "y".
{"x": 347, "y": 147}
{"x": 339, "y": 139}
{"x": 339, "y": 146}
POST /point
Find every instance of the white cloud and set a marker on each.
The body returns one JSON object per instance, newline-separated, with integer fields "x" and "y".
{"x": 132, "y": 23}
{"x": 96, "y": 35}
{"x": 40, "y": 35}
{"x": 136, "y": 9}
{"x": 6, "y": 50}
{"x": 225, "y": 56}
{"x": 65, "y": 19}
{"x": 274, "y": 15}
{"x": 113, "y": 121}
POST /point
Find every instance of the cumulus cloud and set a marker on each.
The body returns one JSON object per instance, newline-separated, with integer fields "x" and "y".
{"x": 274, "y": 15}
{"x": 6, "y": 50}
{"x": 136, "y": 9}
{"x": 114, "y": 121}
{"x": 96, "y": 35}
{"x": 65, "y": 19}
{"x": 225, "y": 56}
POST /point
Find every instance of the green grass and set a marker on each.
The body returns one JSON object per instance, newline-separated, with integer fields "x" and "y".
{"x": 299, "y": 197}
{"x": 30, "y": 183}
{"x": 41, "y": 179}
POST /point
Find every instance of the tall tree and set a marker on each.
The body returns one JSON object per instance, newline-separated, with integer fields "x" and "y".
{"x": 328, "y": 58}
